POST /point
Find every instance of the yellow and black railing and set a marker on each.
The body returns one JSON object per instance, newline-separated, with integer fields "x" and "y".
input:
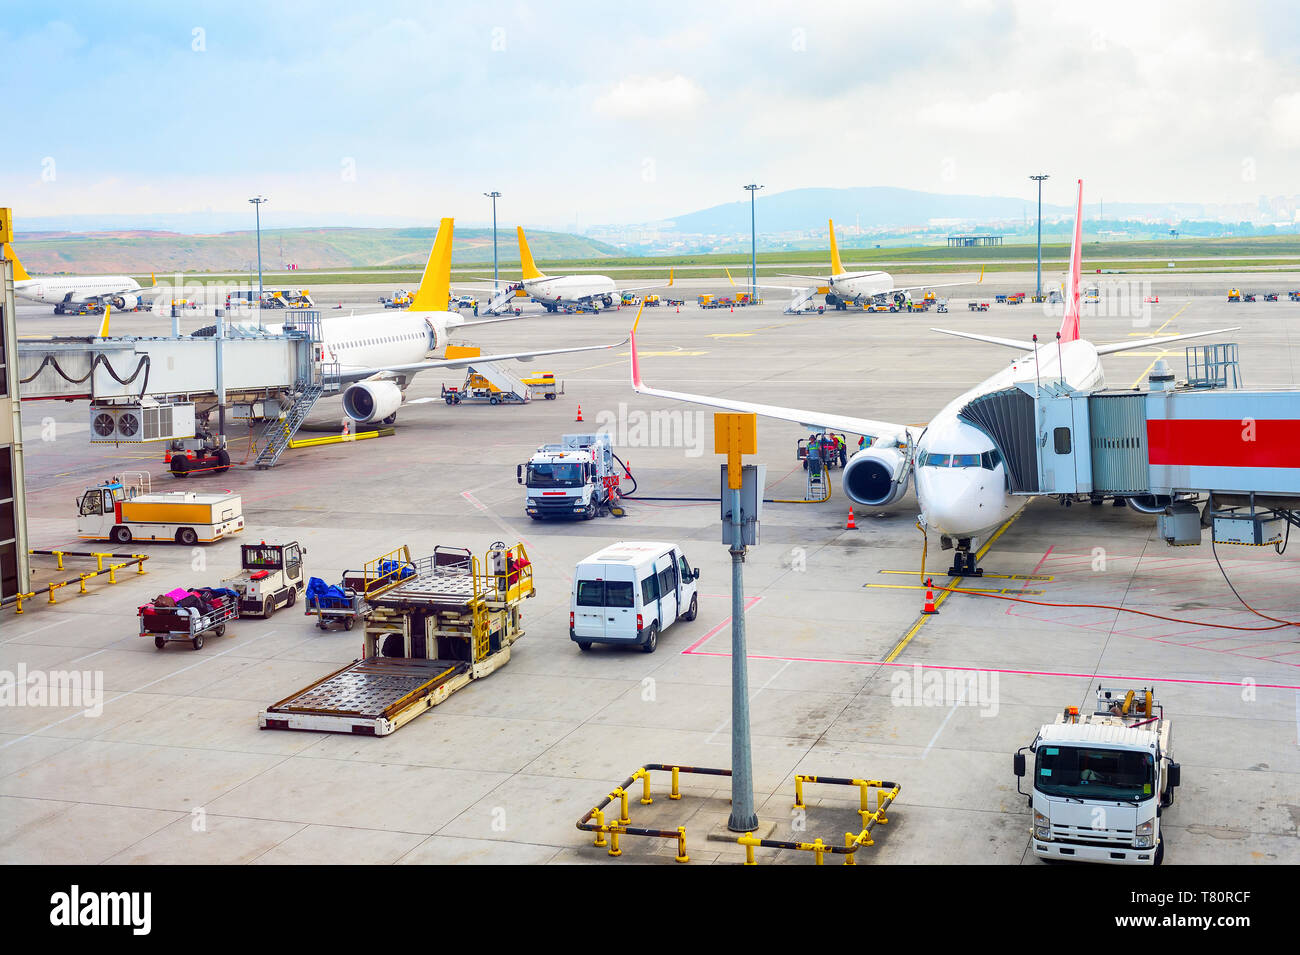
{"x": 119, "y": 561}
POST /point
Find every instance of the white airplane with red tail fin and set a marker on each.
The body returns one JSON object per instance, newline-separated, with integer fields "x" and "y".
{"x": 961, "y": 478}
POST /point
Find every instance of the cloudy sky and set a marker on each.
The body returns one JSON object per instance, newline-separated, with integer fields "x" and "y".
{"x": 610, "y": 112}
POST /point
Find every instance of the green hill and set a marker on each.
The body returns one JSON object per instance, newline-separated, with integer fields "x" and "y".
{"x": 167, "y": 252}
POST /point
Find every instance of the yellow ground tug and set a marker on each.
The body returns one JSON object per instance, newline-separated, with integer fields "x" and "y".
{"x": 123, "y": 510}
{"x": 433, "y": 625}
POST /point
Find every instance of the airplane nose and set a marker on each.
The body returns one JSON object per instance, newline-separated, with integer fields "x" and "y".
{"x": 958, "y": 502}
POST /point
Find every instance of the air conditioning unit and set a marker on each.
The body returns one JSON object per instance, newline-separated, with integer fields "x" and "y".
{"x": 140, "y": 423}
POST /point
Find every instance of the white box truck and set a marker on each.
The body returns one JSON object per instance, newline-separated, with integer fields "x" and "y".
{"x": 630, "y": 592}
{"x": 1101, "y": 782}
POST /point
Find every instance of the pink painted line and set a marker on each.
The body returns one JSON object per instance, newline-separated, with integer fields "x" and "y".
{"x": 1088, "y": 676}
{"x": 749, "y": 602}
{"x": 1046, "y": 554}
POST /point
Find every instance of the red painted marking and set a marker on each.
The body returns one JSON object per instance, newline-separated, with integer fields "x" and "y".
{"x": 720, "y": 627}
{"x": 931, "y": 666}
{"x": 1221, "y": 443}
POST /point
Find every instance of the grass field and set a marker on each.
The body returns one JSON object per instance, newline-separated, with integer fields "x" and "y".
{"x": 397, "y": 256}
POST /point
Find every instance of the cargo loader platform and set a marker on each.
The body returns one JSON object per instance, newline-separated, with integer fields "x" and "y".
{"x": 433, "y": 626}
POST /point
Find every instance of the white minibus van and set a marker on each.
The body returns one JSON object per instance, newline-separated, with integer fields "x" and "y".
{"x": 629, "y": 593}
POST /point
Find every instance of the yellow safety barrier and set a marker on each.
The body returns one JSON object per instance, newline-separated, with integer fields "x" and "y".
{"x": 622, "y": 825}
{"x": 340, "y": 438}
{"x": 111, "y": 570}
{"x": 595, "y": 818}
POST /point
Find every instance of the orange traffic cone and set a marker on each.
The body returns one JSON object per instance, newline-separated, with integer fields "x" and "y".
{"x": 929, "y": 597}
{"x": 851, "y": 525}
{"x": 579, "y": 418}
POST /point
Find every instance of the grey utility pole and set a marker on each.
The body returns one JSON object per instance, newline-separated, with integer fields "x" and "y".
{"x": 753, "y": 244}
{"x": 1039, "y": 293}
{"x": 257, "y": 204}
{"x": 494, "y": 196}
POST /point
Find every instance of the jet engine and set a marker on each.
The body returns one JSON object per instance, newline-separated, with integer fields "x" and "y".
{"x": 899, "y": 298}
{"x": 609, "y": 301}
{"x": 368, "y": 401}
{"x": 876, "y": 476}
{"x": 124, "y": 302}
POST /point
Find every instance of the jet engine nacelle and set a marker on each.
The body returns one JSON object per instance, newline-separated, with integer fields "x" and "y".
{"x": 368, "y": 401}
{"x": 899, "y": 298}
{"x": 125, "y": 302}
{"x": 872, "y": 476}
{"x": 609, "y": 301}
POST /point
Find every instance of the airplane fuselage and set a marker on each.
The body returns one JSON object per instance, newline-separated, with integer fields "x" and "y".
{"x": 959, "y": 495}
{"x": 566, "y": 289}
{"x": 861, "y": 287}
{"x": 390, "y": 338}
{"x": 74, "y": 289}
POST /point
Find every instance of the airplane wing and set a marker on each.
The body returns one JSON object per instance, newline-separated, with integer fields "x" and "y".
{"x": 360, "y": 374}
{"x": 818, "y": 420}
{"x": 815, "y": 279}
{"x": 913, "y": 288}
{"x": 779, "y": 288}
{"x": 1158, "y": 340}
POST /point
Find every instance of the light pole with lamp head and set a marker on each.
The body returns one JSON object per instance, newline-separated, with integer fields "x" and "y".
{"x": 753, "y": 244}
{"x": 1039, "y": 293}
{"x": 494, "y": 196}
{"x": 257, "y": 204}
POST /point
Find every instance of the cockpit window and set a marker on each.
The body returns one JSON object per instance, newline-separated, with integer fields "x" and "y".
{"x": 988, "y": 460}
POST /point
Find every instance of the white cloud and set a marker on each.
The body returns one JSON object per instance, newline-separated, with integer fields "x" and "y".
{"x": 636, "y": 97}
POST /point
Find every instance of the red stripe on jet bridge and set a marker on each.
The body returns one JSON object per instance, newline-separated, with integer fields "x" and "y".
{"x": 1225, "y": 443}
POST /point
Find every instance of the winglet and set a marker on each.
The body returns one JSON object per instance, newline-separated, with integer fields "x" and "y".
{"x": 837, "y": 268}
{"x": 980, "y": 280}
{"x": 670, "y": 278}
{"x": 155, "y": 279}
{"x": 729, "y": 278}
{"x": 1070, "y": 322}
{"x": 631, "y": 337}
{"x": 103, "y": 326}
{"x": 435, "y": 286}
{"x": 526, "y": 264}
{"x": 20, "y": 273}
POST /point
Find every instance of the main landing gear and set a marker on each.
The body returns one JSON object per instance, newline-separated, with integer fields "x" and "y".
{"x": 963, "y": 561}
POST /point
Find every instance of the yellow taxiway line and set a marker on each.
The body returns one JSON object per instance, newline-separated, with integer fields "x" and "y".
{"x": 955, "y": 582}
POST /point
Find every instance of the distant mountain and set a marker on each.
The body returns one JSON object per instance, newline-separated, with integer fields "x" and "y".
{"x": 139, "y": 252}
{"x": 874, "y": 207}
{"x": 868, "y": 206}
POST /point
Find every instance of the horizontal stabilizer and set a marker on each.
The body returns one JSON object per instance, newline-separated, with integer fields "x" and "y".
{"x": 991, "y": 339}
{"x": 1158, "y": 340}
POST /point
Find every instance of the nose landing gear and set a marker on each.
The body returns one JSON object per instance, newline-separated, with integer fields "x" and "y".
{"x": 963, "y": 561}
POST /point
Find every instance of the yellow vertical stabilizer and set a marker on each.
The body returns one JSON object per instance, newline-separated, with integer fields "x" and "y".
{"x": 837, "y": 267}
{"x": 20, "y": 273}
{"x": 526, "y": 263}
{"x": 435, "y": 286}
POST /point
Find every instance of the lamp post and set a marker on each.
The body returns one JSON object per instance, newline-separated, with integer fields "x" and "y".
{"x": 1039, "y": 179}
{"x": 494, "y": 196}
{"x": 257, "y": 205}
{"x": 753, "y": 244}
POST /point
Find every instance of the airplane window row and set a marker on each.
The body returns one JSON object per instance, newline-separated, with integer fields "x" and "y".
{"x": 380, "y": 341}
{"x": 989, "y": 460}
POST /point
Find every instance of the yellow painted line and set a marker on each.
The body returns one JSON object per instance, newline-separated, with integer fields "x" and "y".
{"x": 731, "y": 335}
{"x": 664, "y": 354}
{"x": 917, "y": 573}
{"x": 982, "y": 590}
{"x": 1162, "y": 354}
{"x": 953, "y": 582}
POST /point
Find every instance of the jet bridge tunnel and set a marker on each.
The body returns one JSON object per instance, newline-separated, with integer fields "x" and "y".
{"x": 1196, "y": 458}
